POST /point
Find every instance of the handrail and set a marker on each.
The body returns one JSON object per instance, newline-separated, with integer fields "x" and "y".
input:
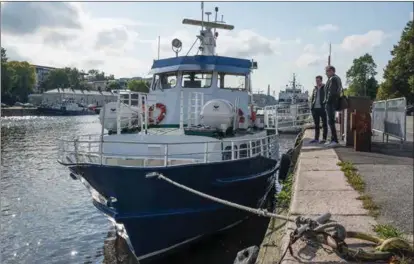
{"x": 92, "y": 151}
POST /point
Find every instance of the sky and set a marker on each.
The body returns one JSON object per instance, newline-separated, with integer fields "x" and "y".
{"x": 121, "y": 38}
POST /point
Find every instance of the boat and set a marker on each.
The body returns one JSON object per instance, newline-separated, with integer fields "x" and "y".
{"x": 211, "y": 144}
{"x": 292, "y": 111}
{"x": 66, "y": 107}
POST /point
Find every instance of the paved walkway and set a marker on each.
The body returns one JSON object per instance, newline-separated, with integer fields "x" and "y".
{"x": 389, "y": 180}
{"x": 321, "y": 187}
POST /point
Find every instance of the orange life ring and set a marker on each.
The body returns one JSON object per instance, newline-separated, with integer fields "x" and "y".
{"x": 160, "y": 117}
{"x": 252, "y": 114}
{"x": 241, "y": 116}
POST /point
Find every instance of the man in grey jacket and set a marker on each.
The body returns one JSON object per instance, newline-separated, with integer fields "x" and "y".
{"x": 333, "y": 89}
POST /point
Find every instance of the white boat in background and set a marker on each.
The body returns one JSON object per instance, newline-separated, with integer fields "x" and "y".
{"x": 293, "y": 108}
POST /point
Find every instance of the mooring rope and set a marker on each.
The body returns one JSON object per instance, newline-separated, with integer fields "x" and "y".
{"x": 260, "y": 212}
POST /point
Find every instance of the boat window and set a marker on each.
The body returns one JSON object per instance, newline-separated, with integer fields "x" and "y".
{"x": 166, "y": 80}
{"x": 231, "y": 81}
{"x": 196, "y": 79}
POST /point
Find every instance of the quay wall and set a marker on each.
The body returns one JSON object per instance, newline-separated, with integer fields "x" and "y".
{"x": 19, "y": 111}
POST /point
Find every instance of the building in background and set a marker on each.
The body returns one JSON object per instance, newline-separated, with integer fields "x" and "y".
{"x": 41, "y": 75}
{"x": 84, "y": 97}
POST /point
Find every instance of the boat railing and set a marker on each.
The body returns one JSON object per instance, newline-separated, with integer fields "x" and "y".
{"x": 96, "y": 149}
{"x": 276, "y": 116}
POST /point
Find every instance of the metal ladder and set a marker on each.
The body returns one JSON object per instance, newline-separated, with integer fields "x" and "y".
{"x": 195, "y": 104}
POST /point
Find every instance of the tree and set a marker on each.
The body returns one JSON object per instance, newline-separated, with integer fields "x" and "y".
{"x": 22, "y": 80}
{"x": 57, "y": 78}
{"x": 113, "y": 85}
{"x": 7, "y": 78}
{"x": 361, "y": 77}
{"x": 399, "y": 72}
{"x": 3, "y": 55}
{"x": 138, "y": 86}
{"x": 99, "y": 76}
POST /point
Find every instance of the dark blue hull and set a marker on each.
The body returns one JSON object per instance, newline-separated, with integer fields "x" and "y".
{"x": 60, "y": 112}
{"x": 158, "y": 217}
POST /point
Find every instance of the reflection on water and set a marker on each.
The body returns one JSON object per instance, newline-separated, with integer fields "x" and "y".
{"x": 46, "y": 217}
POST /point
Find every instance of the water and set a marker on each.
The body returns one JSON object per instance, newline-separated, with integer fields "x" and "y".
{"x": 46, "y": 217}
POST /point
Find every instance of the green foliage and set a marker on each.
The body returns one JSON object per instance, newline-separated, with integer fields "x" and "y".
{"x": 113, "y": 85}
{"x": 17, "y": 79}
{"x": 100, "y": 76}
{"x": 399, "y": 72}
{"x": 138, "y": 86}
{"x": 3, "y": 55}
{"x": 387, "y": 231}
{"x": 360, "y": 77}
{"x": 57, "y": 78}
{"x": 284, "y": 196}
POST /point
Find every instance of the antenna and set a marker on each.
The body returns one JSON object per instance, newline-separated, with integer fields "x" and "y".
{"x": 202, "y": 15}
{"x": 159, "y": 40}
{"x": 329, "y": 57}
{"x": 208, "y": 16}
{"x": 215, "y": 18}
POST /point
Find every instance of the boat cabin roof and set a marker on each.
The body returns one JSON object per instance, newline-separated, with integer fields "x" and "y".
{"x": 202, "y": 63}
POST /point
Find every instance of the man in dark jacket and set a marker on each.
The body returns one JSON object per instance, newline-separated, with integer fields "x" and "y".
{"x": 333, "y": 89}
{"x": 318, "y": 110}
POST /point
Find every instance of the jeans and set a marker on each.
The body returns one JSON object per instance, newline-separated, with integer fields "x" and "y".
{"x": 330, "y": 112}
{"x": 319, "y": 114}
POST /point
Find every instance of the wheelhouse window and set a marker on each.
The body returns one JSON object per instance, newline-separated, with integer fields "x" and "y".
{"x": 193, "y": 79}
{"x": 167, "y": 80}
{"x": 232, "y": 81}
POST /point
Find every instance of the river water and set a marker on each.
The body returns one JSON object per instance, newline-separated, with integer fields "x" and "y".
{"x": 46, "y": 217}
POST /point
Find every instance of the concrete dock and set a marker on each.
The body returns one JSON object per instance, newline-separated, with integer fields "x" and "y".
{"x": 19, "y": 111}
{"x": 319, "y": 187}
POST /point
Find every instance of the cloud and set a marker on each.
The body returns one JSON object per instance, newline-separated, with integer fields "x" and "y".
{"x": 243, "y": 43}
{"x": 367, "y": 41}
{"x": 65, "y": 34}
{"x": 22, "y": 18}
{"x": 327, "y": 27}
{"x": 309, "y": 48}
{"x": 310, "y": 59}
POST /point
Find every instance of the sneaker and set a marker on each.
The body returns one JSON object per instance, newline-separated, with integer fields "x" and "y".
{"x": 331, "y": 144}
{"x": 323, "y": 141}
{"x": 314, "y": 141}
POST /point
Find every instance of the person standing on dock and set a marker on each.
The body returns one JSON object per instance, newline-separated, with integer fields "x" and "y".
{"x": 318, "y": 110}
{"x": 333, "y": 89}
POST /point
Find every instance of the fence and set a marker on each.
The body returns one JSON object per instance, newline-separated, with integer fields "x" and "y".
{"x": 389, "y": 118}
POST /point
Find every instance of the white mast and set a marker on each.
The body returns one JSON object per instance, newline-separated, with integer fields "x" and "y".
{"x": 207, "y": 37}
